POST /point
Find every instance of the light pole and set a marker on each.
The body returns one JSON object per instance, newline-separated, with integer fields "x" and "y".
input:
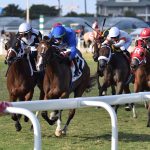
{"x": 59, "y": 7}
{"x": 85, "y": 6}
{"x": 27, "y": 12}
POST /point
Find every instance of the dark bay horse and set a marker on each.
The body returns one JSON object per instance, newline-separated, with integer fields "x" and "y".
{"x": 58, "y": 81}
{"x": 115, "y": 70}
{"x": 20, "y": 81}
{"x": 140, "y": 64}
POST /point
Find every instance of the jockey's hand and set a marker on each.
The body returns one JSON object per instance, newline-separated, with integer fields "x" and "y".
{"x": 65, "y": 53}
{"x": 113, "y": 47}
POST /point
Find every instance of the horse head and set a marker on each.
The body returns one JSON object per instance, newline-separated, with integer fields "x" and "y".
{"x": 104, "y": 56}
{"x": 96, "y": 47}
{"x": 10, "y": 56}
{"x": 138, "y": 57}
{"x": 12, "y": 52}
{"x": 41, "y": 50}
{"x": 46, "y": 54}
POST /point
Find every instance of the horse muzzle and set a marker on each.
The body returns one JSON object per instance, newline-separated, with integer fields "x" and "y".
{"x": 134, "y": 64}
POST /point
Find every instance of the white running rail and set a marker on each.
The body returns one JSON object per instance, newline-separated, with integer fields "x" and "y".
{"x": 103, "y": 101}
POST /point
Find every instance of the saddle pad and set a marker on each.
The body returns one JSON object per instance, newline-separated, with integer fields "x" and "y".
{"x": 80, "y": 63}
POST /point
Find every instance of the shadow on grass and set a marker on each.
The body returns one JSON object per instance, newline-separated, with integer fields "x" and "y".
{"x": 127, "y": 137}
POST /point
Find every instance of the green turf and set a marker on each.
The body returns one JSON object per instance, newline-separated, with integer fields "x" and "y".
{"x": 89, "y": 130}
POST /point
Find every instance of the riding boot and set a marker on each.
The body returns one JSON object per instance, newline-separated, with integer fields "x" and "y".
{"x": 76, "y": 73}
{"x": 32, "y": 60}
{"x": 130, "y": 78}
{"x": 125, "y": 52}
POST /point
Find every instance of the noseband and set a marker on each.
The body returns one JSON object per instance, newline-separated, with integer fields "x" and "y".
{"x": 104, "y": 57}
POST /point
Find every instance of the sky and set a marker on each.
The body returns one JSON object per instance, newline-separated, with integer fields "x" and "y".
{"x": 67, "y": 5}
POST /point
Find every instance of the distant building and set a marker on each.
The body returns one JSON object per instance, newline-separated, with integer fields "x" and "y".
{"x": 119, "y": 7}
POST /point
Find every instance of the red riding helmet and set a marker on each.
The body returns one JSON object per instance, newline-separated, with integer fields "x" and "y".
{"x": 145, "y": 33}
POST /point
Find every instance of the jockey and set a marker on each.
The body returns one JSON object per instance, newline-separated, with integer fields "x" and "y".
{"x": 120, "y": 39}
{"x": 28, "y": 39}
{"x": 65, "y": 37}
{"x": 144, "y": 39}
{"x": 95, "y": 25}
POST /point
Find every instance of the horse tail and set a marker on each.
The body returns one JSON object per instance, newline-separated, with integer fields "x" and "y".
{"x": 91, "y": 83}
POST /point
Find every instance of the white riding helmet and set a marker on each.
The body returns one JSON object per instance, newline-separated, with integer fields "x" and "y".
{"x": 24, "y": 28}
{"x": 114, "y": 32}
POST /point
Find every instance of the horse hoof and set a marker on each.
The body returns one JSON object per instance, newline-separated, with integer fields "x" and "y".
{"x": 26, "y": 119}
{"x": 31, "y": 128}
{"x": 128, "y": 108}
{"x": 18, "y": 127}
{"x": 63, "y": 132}
{"x": 51, "y": 122}
{"x": 58, "y": 133}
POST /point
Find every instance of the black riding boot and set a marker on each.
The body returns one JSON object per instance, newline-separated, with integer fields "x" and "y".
{"x": 76, "y": 68}
{"x": 125, "y": 52}
{"x": 33, "y": 59}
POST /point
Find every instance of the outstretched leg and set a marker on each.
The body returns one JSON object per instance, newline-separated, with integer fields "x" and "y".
{"x": 15, "y": 117}
{"x": 129, "y": 106}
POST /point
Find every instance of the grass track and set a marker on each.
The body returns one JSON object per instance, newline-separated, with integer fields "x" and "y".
{"x": 89, "y": 130}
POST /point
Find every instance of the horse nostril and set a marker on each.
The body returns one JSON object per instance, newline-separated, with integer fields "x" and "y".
{"x": 95, "y": 58}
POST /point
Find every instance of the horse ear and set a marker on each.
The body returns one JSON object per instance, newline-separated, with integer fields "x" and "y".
{"x": 46, "y": 38}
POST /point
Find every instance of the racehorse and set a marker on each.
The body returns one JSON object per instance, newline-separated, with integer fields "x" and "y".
{"x": 7, "y": 39}
{"x": 140, "y": 62}
{"x": 115, "y": 69}
{"x": 89, "y": 38}
{"x": 20, "y": 80}
{"x": 58, "y": 81}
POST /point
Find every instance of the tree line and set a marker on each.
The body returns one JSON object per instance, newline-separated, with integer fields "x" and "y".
{"x": 36, "y": 10}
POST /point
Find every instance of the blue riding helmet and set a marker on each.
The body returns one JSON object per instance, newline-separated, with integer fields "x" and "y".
{"x": 58, "y": 32}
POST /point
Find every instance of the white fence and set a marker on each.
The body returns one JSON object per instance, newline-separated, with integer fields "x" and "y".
{"x": 103, "y": 101}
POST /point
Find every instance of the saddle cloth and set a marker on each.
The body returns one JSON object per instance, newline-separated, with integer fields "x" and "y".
{"x": 80, "y": 62}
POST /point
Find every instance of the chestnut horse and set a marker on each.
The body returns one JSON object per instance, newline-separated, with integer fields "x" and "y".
{"x": 20, "y": 80}
{"x": 58, "y": 81}
{"x": 140, "y": 64}
{"x": 115, "y": 70}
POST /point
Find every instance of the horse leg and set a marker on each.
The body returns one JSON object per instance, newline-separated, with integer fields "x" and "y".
{"x": 28, "y": 97}
{"x": 148, "y": 122}
{"x": 103, "y": 89}
{"x": 130, "y": 106}
{"x": 119, "y": 90}
{"x": 15, "y": 117}
{"x": 59, "y": 131}
{"x": 77, "y": 93}
{"x": 113, "y": 90}
{"x": 98, "y": 84}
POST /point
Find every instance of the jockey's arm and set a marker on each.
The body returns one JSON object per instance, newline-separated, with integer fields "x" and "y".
{"x": 107, "y": 41}
{"x": 120, "y": 43}
{"x": 72, "y": 45}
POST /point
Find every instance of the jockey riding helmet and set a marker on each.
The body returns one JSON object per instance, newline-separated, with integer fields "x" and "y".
{"x": 114, "y": 32}
{"x": 145, "y": 33}
{"x": 58, "y": 32}
{"x": 24, "y": 28}
{"x": 57, "y": 24}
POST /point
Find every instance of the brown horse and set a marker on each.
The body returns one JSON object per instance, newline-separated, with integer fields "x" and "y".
{"x": 140, "y": 64}
{"x": 115, "y": 70}
{"x": 58, "y": 81}
{"x": 20, "y": 81}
